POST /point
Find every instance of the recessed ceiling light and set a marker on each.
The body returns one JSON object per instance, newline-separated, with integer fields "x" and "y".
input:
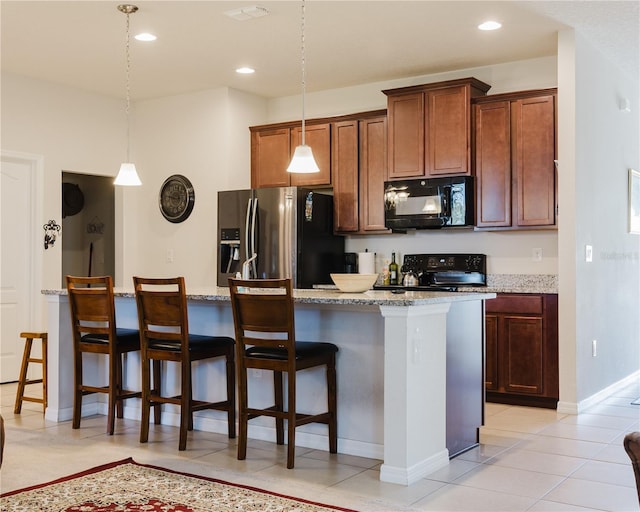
{"x": 145, "y": 36}
{"x": 490, "y": 25}
{"x": 245, "y": 71}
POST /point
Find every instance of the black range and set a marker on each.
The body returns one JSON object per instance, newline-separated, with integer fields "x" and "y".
{"x": 440, "y": 272}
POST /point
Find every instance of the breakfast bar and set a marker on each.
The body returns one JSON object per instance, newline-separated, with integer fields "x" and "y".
{"x": 410, "y": 371}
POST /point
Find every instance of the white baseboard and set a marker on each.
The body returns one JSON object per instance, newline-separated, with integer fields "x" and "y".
{"x": 577, "y": 408}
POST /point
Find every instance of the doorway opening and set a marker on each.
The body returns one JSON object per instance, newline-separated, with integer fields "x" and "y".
{"x": 88, "y": 225}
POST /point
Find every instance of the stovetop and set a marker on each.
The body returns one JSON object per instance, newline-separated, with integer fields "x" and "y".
{"x": 442, "y": 272}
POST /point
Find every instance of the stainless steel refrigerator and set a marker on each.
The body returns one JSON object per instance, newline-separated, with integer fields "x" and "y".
{"x": 290, "y": 229}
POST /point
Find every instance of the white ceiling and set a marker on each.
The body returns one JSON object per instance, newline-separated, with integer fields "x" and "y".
{"x": 81, "y": 43}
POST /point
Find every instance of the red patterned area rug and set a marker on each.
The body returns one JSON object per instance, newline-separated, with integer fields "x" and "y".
{"x": 127, "y": 486}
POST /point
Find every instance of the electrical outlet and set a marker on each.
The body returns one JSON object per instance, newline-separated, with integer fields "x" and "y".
{"x": 594, "y": 348}
{"x": 169, "y": 256}
{"x": 588, "y": 253}
{"x": 536, "y": 254}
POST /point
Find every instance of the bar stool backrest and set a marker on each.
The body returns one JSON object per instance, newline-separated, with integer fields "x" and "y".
{"x": 263, "y": 315}
{"x": 162, "y": 310}
{"x": 92, "y": 306}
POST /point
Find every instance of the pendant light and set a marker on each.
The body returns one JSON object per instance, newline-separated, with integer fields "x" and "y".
{"x": 303, "y": 161}
{"x": 128, "y": 176}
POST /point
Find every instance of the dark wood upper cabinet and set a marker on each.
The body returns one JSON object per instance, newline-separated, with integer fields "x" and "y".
{"x": 535, "y": 152}
{"x": 406, "y": 135}
{"x": 345, "y": 171}
{"x": 448, "y": 134}
{"x": 272, "y": 147}
{"x": 515, "y": 149}
{"x": 430, "y": 128}
{"x": 359, "y": 152}
{"x": 270, "y": 155}
{"x": 373, "y": 173}
{"x": 493, "y": 163}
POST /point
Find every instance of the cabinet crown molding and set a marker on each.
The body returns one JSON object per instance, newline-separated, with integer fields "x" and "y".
{"x": 320, "y": 120}
{"x": 516, "y": 95}
{"x": 473, "y": 82}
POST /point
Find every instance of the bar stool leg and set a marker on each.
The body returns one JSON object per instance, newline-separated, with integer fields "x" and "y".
{"x": 22, "y": 380}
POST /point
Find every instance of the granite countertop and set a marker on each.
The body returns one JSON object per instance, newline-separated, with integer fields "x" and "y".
{"x": 328, "y": 296}
{"x": 519, "y": 283}
{"x": 496, "y": 283}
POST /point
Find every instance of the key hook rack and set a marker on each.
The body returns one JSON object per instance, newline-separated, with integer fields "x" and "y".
{"x": 51, "y": 230}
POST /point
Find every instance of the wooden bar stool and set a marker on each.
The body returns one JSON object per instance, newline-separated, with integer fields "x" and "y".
{"x": 263, "y": 315}
{"x": 164, "y": 336}
{"x": 26, "y": 359}
{"x": 93, "y": 324}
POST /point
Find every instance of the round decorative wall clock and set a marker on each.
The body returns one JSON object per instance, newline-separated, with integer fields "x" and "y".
{"x": 176, "y": 198}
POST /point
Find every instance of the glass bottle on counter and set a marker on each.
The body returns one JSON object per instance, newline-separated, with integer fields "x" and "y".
{"x": 393, "y": 270}
{"x": 385, "y": 273}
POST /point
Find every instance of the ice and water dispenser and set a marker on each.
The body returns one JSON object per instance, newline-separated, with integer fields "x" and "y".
{"x": 230, "y": 251}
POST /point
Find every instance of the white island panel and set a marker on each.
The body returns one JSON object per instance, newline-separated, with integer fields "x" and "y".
{"x": 414, "y": 392}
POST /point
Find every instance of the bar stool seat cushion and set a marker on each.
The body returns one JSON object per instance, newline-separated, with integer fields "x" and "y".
{"x": 303, "y": 349}
{"x": 197, "y": 343}
{"x": 125, "y": 337}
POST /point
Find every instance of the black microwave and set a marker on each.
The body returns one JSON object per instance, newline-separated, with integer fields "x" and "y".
{"x": 429, "y": 203}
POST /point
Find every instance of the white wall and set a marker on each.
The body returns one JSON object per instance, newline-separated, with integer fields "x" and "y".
{"x": 594, "y": 164}
{"x": 205, "y": 137}
{"x": 514, "y": 76}
{"x": 567, "y": 221}
{"x": 75, "y": 131}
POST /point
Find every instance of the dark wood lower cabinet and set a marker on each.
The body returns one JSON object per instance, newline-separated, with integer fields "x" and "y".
{"x": 521, "y": 363}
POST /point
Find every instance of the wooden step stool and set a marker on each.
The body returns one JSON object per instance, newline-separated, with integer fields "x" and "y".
{"x": 26, "y": 359}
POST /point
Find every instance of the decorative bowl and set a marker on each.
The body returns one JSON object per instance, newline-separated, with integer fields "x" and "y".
{"x": 354, "y": 283}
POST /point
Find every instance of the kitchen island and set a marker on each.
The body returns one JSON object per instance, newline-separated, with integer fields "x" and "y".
{"x": 408, "y": 365}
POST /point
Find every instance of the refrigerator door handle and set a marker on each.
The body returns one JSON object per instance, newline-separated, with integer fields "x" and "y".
{"x": 247, "y": 227}
{"x": 254, "y": 234}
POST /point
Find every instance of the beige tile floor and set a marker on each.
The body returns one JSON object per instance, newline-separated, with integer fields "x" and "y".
{"x": 529, "y": 460}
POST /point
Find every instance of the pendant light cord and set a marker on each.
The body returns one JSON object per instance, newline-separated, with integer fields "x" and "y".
{"x": 128, "y": 86}
{"x": 128, "y": 9}
{"x": 304, "y": 81}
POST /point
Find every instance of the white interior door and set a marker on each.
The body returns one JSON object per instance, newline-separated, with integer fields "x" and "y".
{"x": 16, "y": 262}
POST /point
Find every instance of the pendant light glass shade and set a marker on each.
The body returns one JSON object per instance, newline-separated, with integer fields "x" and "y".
{"x": 127, "y": 176}
{"x": 303, "y": 161}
